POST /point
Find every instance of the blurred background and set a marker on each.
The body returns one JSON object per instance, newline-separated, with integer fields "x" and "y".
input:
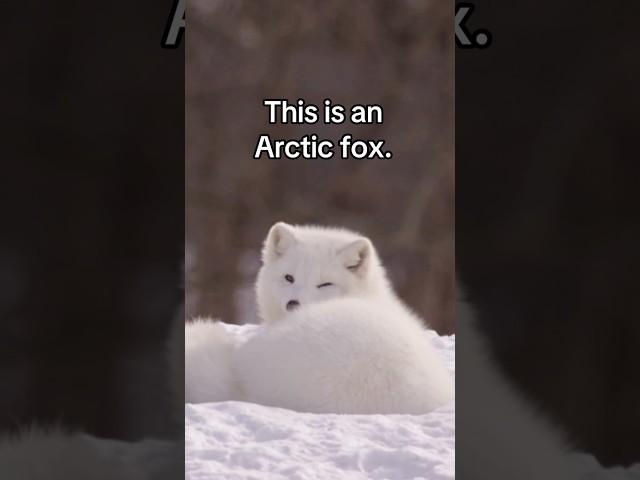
{"x": 397, "y": 54}
{"x": 547, "y": 218}
{"x": 91, "y": 201}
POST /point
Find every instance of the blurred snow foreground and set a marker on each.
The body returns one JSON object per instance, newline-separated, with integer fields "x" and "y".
{"x": 53, "y": 454}
{"x": 236, "y": 440}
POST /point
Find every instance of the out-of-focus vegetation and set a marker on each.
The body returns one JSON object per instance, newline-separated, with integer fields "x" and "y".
{"x": 397, "y": 54}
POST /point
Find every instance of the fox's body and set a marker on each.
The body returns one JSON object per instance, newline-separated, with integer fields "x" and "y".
{"x": 344, "y": 356}
{"x": 335, "y": 337}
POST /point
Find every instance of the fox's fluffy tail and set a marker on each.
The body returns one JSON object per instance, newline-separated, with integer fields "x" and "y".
{"x": 207, "y": 368}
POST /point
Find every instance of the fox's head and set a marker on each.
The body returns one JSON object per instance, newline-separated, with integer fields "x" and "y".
{"x": 302, "y": 265}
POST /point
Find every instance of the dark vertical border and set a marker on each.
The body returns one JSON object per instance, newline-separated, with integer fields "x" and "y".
{"x": 92, "y": 208}
{"x": 546, "y": 225}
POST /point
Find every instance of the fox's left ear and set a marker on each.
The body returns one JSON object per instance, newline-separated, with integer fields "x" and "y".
{"x": 356, "y": 256}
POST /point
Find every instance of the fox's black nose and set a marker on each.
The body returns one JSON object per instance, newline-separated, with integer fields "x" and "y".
{"x": 292, "y": 305}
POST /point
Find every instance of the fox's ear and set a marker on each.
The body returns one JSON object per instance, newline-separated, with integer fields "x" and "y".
{"x": 356, "y": 256}
{"x": 281, "y": 237}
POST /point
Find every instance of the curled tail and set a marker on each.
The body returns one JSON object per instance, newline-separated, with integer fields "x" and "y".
{"x": 207, "y": 362}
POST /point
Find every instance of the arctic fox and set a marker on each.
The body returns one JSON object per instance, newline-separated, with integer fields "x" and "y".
{"x": 336, "y": 338}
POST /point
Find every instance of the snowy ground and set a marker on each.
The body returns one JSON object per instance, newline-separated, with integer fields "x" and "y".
{"x": 234, "y": 440}
{"x": 243, "y": 441}
{"x": 237, "y": 441}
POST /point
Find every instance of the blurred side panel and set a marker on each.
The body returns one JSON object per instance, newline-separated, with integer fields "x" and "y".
{"x": 547, "y": 231}
{"x": 92, "y": 209}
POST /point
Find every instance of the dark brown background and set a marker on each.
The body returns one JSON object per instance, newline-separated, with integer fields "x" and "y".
{"x": 397, "y": 54}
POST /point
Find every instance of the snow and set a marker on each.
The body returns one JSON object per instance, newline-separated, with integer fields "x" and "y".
{"x": 238, "y": 441}
{"x": 243, "y": 441}
{"x": 234, "y": 440}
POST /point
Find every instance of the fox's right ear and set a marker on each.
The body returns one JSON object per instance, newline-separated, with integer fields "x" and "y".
{"x": 280, "y": 238}
{"x": 356, "y": 256}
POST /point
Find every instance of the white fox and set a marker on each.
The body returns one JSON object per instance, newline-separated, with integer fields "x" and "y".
{"x": 336, "y": 338}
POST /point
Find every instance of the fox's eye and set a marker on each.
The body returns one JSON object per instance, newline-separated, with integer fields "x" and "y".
{"x": 326, "y": 284}
{"x": 289, "y": 278}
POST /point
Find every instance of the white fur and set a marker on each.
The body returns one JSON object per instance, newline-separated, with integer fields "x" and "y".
{"x": 207, "y": 367}
{"x": 350, "y": 347}
{"x": 344, "y": 356}
{"x": 313, "y": 256}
